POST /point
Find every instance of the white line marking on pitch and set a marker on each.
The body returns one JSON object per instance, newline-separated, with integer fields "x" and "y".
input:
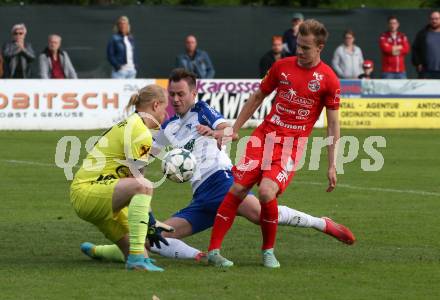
{"x": 341, "y": 185}
{"x": 32, "y": 163}
{"x": 375, "y": 189}
{"x": 26, "y": 162}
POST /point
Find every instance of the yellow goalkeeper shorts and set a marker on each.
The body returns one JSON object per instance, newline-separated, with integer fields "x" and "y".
{"x": 93, "y": 203}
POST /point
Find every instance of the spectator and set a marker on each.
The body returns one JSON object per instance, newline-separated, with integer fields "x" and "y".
{"x": 195, "y": 60}
{"x": 426, "y": 48}
{"x": 368, "y": 67}
{"x": 290, "y": 35}
{"x": 394, "y": 46}
{"x": 17, "y": 54}
{"x": 1, "y": 66}
{"x": 347, "y": 59}
{"x": 55, "y": 62}
{"x": 121, "y": 50}
{"x": 273, "y": 55}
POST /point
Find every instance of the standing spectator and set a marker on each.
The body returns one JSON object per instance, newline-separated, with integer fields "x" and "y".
{"x": 290, "y": 35}
{"x": 17, "y": 54}
{"x": 347, "y": 59}
{"x": 121, "y": 51}
{"x": 368, "y": 67}
{"x": 54, "y": 62}
{"x": 273, "y": 55}
{"x": 195, "y": 60}
{"x": 1, "y": 66}
{"x": 426, "y": 48}
{"x": 394, "y": 46}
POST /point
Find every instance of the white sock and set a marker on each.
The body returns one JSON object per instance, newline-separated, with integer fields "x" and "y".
{"x": 295, "y": 218}
{"x": 177, "y": 249}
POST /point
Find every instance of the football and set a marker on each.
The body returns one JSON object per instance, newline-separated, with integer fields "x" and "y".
{"x": 179, "y": 165}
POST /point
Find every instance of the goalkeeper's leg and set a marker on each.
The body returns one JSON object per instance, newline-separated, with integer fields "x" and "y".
{"x": 176, "y": 249}
{"x": 136, "y": 195}
{"x": 104, "y": 252}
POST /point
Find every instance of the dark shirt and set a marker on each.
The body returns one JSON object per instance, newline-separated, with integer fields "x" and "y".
{"x": 19, "y": 69}
{"x": 290, "y": 40}
{"x": 267, "y": 61}
{"x": 433, "y": 51}
{"x": 365, "y": 76}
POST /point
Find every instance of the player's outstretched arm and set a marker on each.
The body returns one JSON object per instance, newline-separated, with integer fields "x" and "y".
{"x": 248, "y": 109}
{"x": 332, "y": 131}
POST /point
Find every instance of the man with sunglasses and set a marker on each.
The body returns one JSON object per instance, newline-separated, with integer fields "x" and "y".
{"x": 17, "y": 54}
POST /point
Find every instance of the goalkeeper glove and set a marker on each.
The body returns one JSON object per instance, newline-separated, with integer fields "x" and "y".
{"x": 154, "y": 234}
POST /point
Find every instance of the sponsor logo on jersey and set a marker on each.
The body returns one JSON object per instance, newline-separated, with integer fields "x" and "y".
{"x": 303, "y": 114}
{"x": 303, "y": 101}
{"x": 282, "y": 110}
{"x": 275, "y": 119}
{"x": 188, "y": 126}
{"x": 291, "y": 96}
{"x": 144, "y": 150}
{"x": 287, "y": 95}
{"x": 285, "y": 79}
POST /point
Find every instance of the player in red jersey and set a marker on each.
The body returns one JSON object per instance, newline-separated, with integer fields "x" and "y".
{"x": 304, "y": 86}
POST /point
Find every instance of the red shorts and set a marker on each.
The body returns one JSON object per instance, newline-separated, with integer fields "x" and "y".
{"x": 271, "y": 156}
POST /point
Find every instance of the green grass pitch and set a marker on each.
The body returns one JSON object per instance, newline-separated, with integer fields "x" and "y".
{"x": 394, "y": 214}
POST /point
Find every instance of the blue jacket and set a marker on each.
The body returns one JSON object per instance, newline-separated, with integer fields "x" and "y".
{"x": 116, "y": 51}
{"x": 201, "y": 64}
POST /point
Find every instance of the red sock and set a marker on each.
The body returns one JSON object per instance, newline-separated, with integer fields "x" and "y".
{"x": 223, "y": 220}
{"x": 269, "y": 223}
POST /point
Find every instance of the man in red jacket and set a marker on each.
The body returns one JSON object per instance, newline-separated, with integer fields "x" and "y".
{"x": 394, "y": 47}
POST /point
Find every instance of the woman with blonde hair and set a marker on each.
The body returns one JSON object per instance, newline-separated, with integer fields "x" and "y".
{"x": 110, "y": 191}
{"x": 121, "y": 50}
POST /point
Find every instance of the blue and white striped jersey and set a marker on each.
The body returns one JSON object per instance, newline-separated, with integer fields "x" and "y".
{"x": 181, "y": 132}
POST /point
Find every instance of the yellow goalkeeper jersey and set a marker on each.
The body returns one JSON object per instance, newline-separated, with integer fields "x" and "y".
{"x": 127, "y": 141}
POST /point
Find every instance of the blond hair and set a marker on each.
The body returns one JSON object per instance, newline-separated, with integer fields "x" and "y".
{"x": 120, "y": 19}
{"x": 145, "y": 96}
{"x": 315, "y": 28}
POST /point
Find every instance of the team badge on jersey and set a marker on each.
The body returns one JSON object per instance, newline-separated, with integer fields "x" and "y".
{"x": 314, "y": 85}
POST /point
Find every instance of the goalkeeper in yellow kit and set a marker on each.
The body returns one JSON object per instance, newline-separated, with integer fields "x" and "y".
{"x": 110, "y": 190}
